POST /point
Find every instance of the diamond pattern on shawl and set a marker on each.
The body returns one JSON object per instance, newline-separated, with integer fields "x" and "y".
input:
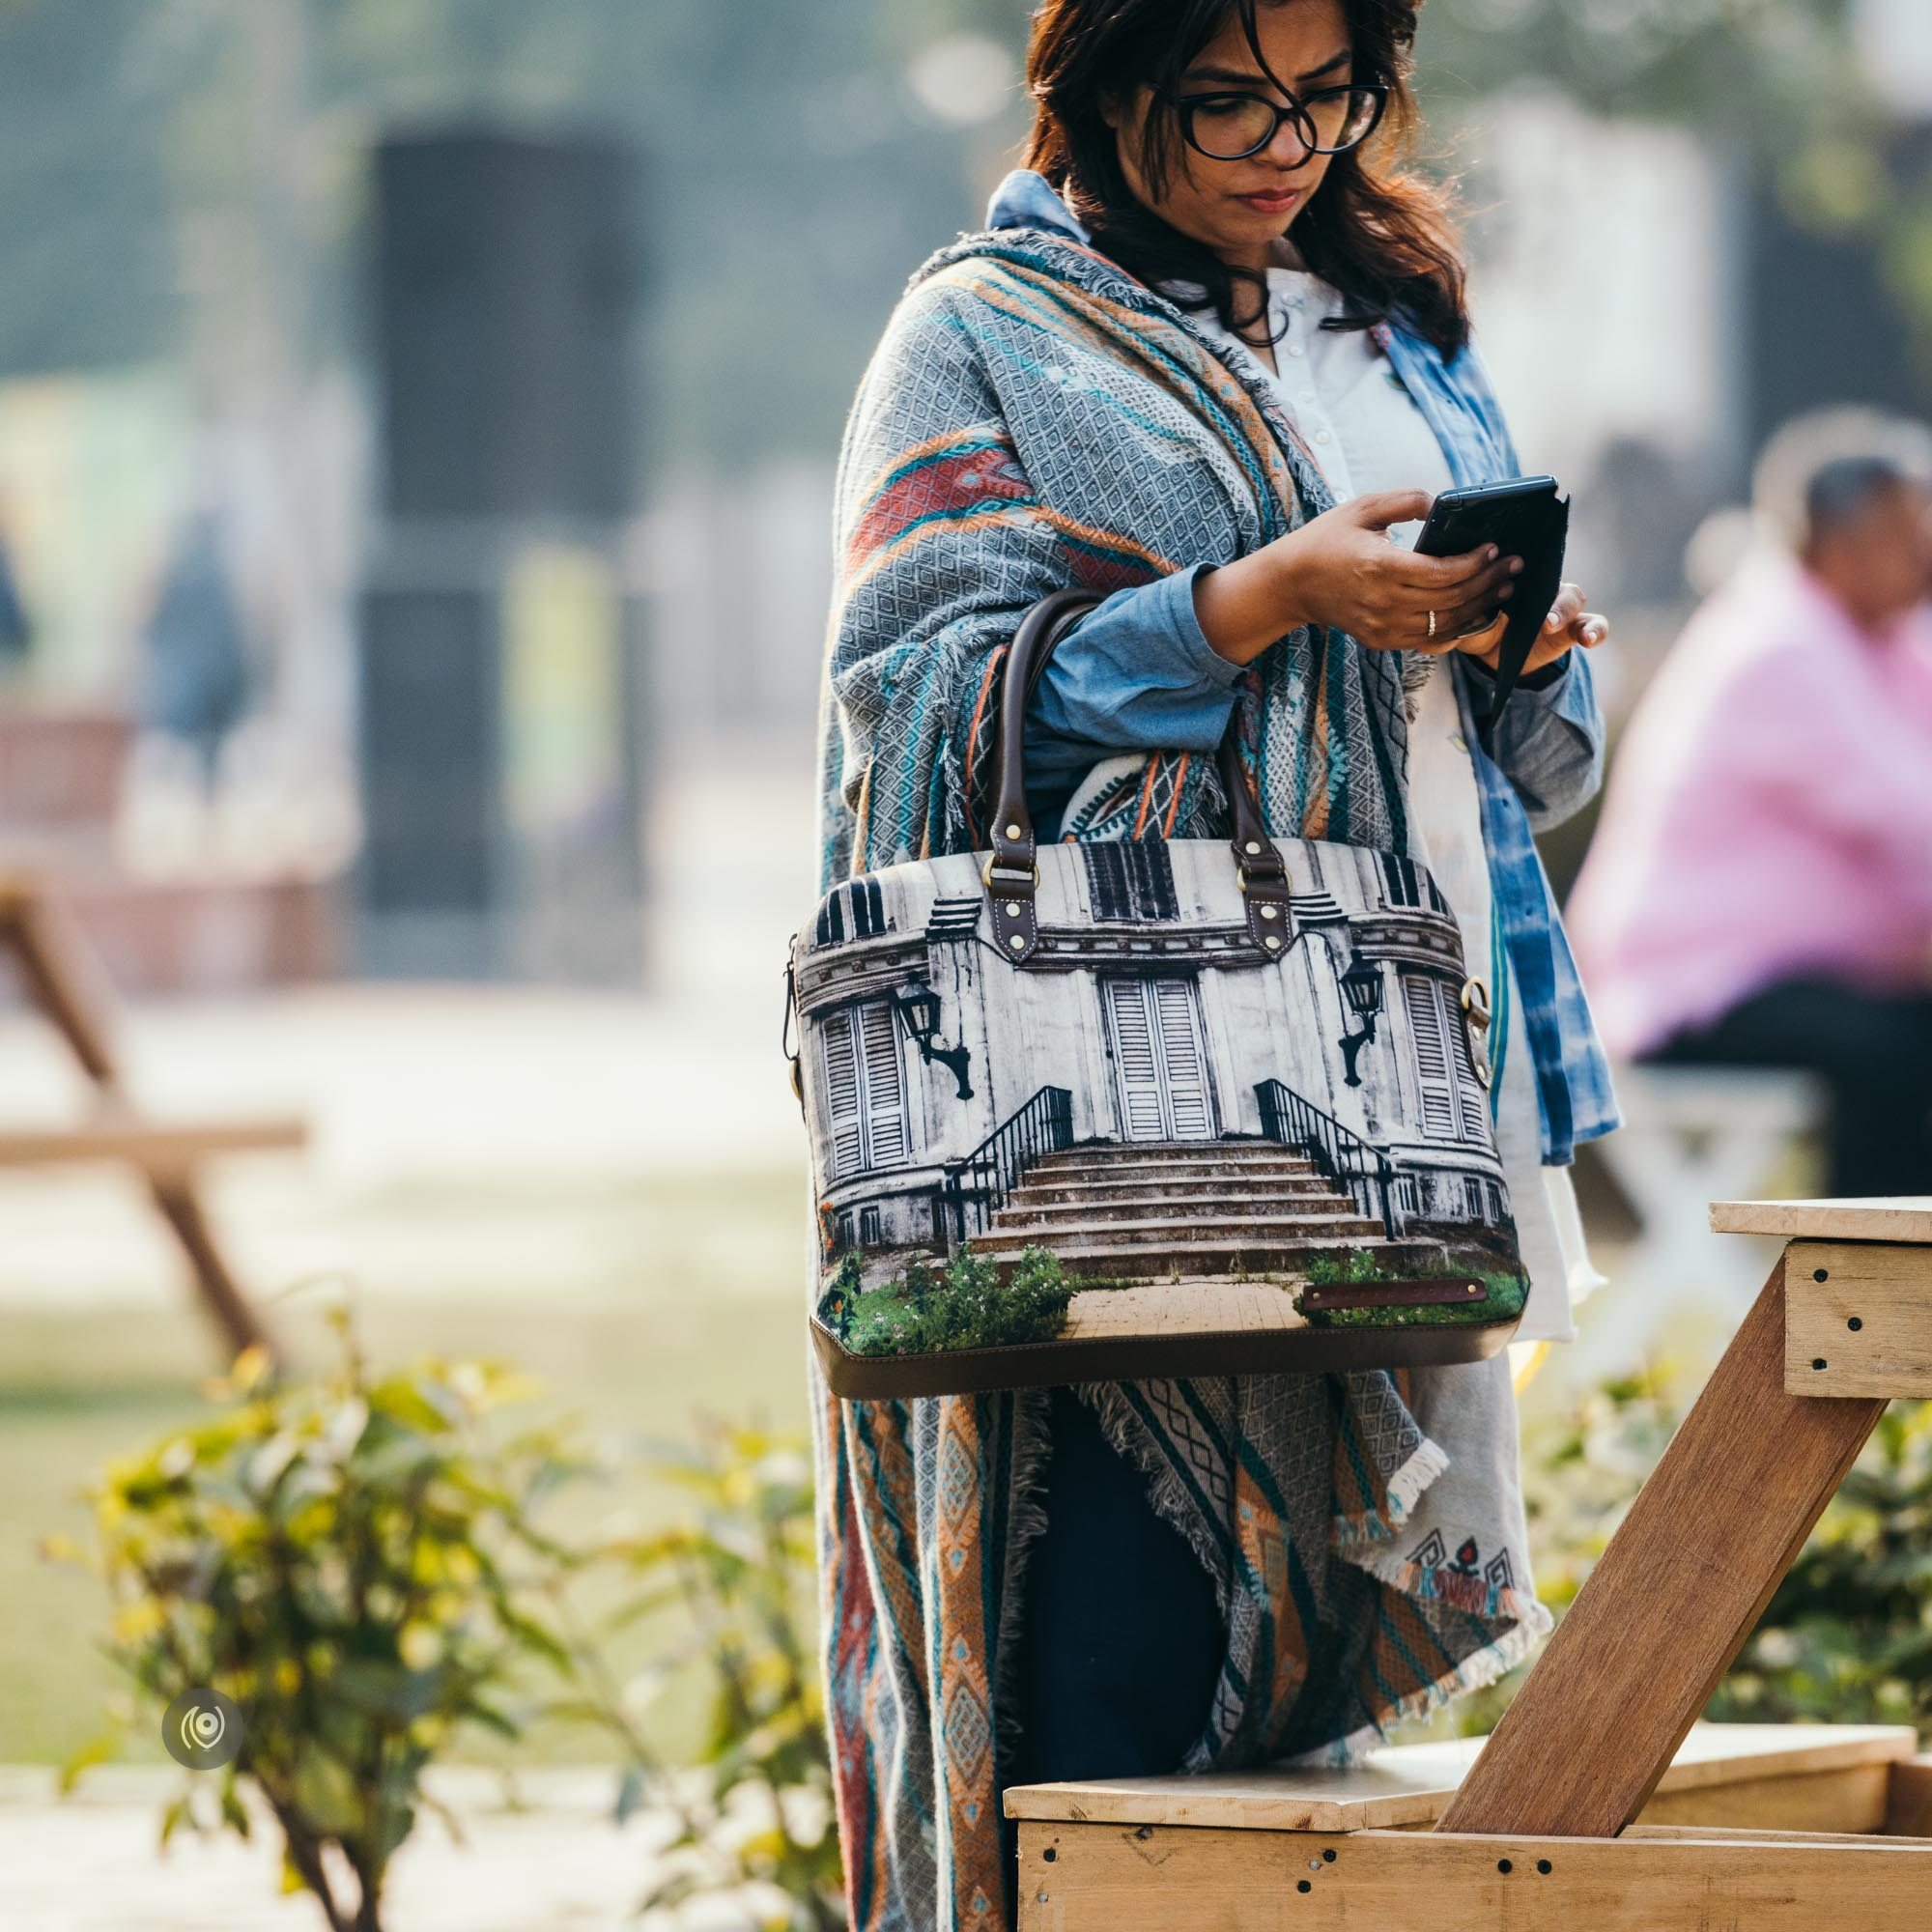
{"x": 1389, "y": 1434}
{"x": 1182, "y": 1434}
{"x": 959, "y": 1479}
{"x": 968, "y": 1732}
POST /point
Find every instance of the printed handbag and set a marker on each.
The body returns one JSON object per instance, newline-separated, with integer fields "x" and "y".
{"x": 1117, "y": 1110}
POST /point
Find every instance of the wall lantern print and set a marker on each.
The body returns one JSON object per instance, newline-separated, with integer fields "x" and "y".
{"x": 918, "y": 1006}
{"x": 1362, "y": 988}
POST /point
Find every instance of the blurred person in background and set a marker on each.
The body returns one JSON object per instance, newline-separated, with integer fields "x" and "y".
{"x": 1759, "y": 889}
{"x": 16, "y": 630}
{"x": 1210, "y": 355}
{"x": 193, "y": 684}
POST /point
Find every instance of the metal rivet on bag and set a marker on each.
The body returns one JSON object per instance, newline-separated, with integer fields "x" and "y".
{"x": 1013, "y": 908}
{"x": 1273, "y": 941}
{"x": 1270, "y": 911}
{"x": 1017, "y": 942}
{"x": 1251, "y": 846}
{"x": 1013, "y": 832}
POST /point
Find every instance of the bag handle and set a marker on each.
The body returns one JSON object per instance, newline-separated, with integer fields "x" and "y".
{"x": 1012, "y": 871}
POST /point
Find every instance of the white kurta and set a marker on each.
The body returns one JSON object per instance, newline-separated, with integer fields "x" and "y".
{"x": 1367, "y": 435}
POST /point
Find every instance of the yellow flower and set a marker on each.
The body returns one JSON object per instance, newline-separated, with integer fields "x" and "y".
{"x": 419, "y": 1645}
{"x": 136, "y": 1622}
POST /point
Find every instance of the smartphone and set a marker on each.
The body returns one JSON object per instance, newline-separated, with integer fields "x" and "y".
{"x": 1523, "y": 516}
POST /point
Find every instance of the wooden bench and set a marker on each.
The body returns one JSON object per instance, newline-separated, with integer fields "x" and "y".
{"x": 61, "y": 979}
{"x": 1596, "y": 1807}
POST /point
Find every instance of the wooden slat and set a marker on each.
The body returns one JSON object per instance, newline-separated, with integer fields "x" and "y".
{"x": 1681, "y": 1584}
{"x": 1096, "y": 1878}
{"x": 1892, "y": 1217}
{"x": 1851, "y": 1798}
{"x": 147, "y": 1143}
{"x": 1739, "y": 1834}
{"x": 1908, "y": 1810}
{"x": 1411, "y": 1784}
{"x": 1857, "y": 1319}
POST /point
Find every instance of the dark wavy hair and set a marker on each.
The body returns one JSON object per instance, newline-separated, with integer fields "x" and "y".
{"x": 1379, "y": 233}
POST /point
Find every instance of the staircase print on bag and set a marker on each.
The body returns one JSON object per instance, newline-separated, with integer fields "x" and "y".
{"x": 1121, "y": 1110}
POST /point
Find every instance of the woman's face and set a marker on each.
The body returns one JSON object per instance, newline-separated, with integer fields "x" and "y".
{"x": 1238, "y": 208}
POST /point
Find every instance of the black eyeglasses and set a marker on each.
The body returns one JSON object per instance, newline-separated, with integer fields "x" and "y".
{"x": 1231, "y": 126}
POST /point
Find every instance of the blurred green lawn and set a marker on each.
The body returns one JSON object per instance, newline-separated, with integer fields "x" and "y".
{"x": 709, "y": 1325}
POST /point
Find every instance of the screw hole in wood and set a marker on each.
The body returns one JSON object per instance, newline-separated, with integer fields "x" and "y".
{"x": 1854, "y": 1323}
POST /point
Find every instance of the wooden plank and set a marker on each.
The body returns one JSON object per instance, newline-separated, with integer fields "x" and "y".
{"x": 1411, "y": 1784}
{"x": 1739, "y": 1835}
{"x": 1681, "y": 1584}
{"x": 1857, "y": 1319}
{"x": 1893, "y": 1217}
{"x": 1098, "y": 1878}
{"x": 1907, "y": 1812}
{"x": 1853, "y": 1799}
{"x": 179, "y": 1207}
{"x": 146, "y": 1144}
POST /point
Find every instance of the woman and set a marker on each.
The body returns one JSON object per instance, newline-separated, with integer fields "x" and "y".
{"x": 1121, "y": 383}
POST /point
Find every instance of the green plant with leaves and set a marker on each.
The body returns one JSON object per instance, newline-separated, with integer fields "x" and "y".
{"x": 755, "y": 1815}
{"x": 965, "y": 1306}
{"x": 357, "y": 1561}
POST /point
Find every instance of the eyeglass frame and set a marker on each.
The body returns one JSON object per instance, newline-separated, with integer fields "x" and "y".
{"x": 1296, "y": 111}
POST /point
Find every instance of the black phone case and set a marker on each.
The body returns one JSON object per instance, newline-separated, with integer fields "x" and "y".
{"x": 1534, "y": 529}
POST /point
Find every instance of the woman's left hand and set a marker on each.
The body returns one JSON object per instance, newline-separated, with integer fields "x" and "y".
{"x": 1568, "y": 624}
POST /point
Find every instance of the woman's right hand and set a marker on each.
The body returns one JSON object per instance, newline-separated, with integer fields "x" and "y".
{"x": 1340, "y": 569}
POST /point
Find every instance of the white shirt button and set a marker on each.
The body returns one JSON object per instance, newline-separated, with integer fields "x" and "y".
{"x": 1295, "y": 349}
{"x": 1323, "y": 435}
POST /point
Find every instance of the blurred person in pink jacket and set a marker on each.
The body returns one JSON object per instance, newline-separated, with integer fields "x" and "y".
{"x": 1759, "y": 889}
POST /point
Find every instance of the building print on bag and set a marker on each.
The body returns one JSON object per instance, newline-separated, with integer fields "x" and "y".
{"x": 1144, "y": 1021}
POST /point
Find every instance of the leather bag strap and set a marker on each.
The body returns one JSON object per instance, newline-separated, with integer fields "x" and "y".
{"x": 1012, "y": 871}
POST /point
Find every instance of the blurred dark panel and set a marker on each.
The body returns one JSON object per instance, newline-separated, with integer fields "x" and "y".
{"x": 430, "y": 679}
{"x": 1825, "y": 328}
{"x": 505, "y": 297}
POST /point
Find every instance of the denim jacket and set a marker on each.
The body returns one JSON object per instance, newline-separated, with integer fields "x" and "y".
{"x": 1137, "y": 672}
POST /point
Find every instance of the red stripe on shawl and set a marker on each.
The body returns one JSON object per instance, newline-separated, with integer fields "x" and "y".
{"x": 1146, "y": 794}
{"x": 1174, "y": 804}
{"x": 964, "y": 480}
{"x": 851, "y": 1731}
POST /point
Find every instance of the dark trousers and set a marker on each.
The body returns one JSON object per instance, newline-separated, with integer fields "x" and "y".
{"x": 1121, "y": 1638}
{"x": 1873, "y": 1051}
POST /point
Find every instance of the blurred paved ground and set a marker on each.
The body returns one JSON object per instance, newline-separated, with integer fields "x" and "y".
{"x": 91, "y": 1863}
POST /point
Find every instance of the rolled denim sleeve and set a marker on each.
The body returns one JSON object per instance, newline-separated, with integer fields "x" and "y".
{"x": 1135, "y": 673}
{"x": 1548, "y": 743}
